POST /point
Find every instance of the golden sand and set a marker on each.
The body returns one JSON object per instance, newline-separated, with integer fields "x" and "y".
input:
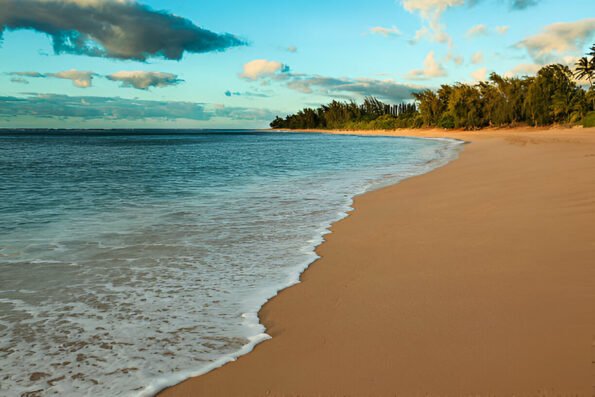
{"x": 477, "y": 279}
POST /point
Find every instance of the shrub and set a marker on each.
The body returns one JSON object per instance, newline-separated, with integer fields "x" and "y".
{"x": 447, "y": 121}
{"x": 589, "y": 120}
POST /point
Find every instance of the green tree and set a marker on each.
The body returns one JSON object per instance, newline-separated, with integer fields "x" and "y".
{"x": 465, "y": 106}
{"x": 550, "y": 95}
{"x": 585, "y": 69}
{"x": 429, "y": 107}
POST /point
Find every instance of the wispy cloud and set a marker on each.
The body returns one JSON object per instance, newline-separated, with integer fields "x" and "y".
{"x": 559, "y": 39}
{"x": 431, "y": 12}
{"x": 524, "y": 69}
{"x": 338, "y": 87}
{"x": 522, "y": 4}
{"x": 242, "y": 113}
{"x": 477, "y": 30}
{"x": 477, "y": 57}
{"x": 230, "y": 94}
{"x": 79, "y": 78}
{"x": 142, "y": 80}
{"x": 502, "y": 29}
{"x": 386, "y": 32}
{"x": 387, "y": 90}
{"x": 19, "y": 80}
{"x": 121, "y": 29}
{"x": 28, "y": 74}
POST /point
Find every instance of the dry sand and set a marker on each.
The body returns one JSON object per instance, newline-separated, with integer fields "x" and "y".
{"x": 477, "y": 279}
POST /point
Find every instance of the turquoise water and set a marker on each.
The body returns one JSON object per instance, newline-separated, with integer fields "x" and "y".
{"x": 130, "y": 261}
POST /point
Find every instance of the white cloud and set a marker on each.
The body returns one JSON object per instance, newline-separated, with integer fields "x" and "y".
{"x": 431, "y": 69}
{"x": 431, "y": 11}
{"x": 480, "y": 74}
{"x": 477, "y": 58}
{"x": 502, "y": 29}
{"x": 429, "y": 8}
{"x": 558, "y": 39}
{"x": 457, "y": 59}
{"x": 386, "y": 32}
{"x": 260, "y": 68}
{"x": 81, "y": 79}
{"x": 477, "y": 30}
{"x": 523, "y": 69}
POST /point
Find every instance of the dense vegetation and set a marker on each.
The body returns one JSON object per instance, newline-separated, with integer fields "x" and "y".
{"x": 553, "y": 96}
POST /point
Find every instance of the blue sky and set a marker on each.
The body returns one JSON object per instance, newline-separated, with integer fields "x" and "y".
{"x": 277, "y": 58}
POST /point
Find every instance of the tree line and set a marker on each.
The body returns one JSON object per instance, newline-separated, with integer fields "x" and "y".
{"x": 552, "y": 96}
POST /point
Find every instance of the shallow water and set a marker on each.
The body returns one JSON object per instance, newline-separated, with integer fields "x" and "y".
{"x": 130, "y": 261}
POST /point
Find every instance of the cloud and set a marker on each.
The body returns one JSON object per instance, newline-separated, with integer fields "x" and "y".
{"x": 431, "y": 69}
{"x": 457, "y": 59}
{"x": 477, "y": 58}
{"x": 230, "y": 93}
{"x": 142, "y": 80}
{"x": 386, "y": 32}
{"x": 558, "y": 39}
{"x": 480, "y": 74}
{"x": 90, "y": 107}
{"x": 28, "y": 74}
{"x": 342, "y": 87}
{"x": 502, "y": 29}
{"x": 387, "y": 90}
{"x": 87, "y": 108}
{"x": 477, "y": 30}
{"x": 261, "y": 68}
{"x": 121, "y": 29}
{"x": 522, "y": 4}
{"x": 19, "y": 80}
{"x": 81, "y": 79}
{"x": 431, "y": 12}
{"x": 241, "y": 113}
{"x": 524, "y": 69}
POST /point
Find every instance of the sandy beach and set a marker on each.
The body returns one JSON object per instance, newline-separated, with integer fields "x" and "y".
{"x": 477, "y": 279}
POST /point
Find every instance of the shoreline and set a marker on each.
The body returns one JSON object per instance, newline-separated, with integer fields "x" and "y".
{"x": 447, "y": 155}
{"x": 277, "y": 357}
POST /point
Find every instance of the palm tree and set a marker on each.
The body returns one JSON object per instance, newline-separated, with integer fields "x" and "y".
{"x": 585, "y": 68}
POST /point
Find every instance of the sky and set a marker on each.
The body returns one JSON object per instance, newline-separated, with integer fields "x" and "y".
{"x": 238, "y": 64}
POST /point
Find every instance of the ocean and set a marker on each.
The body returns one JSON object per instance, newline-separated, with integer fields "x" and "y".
{"x": 131, "y": 260}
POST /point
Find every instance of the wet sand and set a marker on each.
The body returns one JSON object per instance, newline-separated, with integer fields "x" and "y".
{"x": 477, "y": 279}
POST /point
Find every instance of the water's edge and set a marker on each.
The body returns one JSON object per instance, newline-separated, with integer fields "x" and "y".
{"x": 252, "y": 319}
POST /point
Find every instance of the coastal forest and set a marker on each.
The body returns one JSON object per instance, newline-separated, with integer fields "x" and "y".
{"x": 555, "y": 95}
